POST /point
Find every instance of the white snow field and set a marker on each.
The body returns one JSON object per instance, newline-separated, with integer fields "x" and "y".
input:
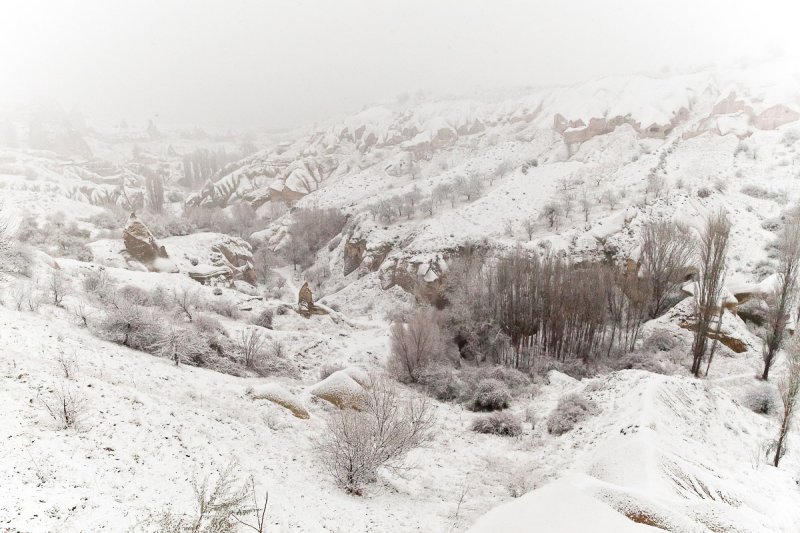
{"x": 663, "y": 451}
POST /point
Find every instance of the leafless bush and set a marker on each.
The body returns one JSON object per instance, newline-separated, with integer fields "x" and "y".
{"x": 58, "y": 286}
{"x": 329, "y": 368}
{"x": 187, "y": 301}
{"x": 357, "y": 444}
{"x": 490, "y": 395}
{"x": 263, "y": 319}
{"x": 571, "y": 410}
{"x": 221, "y": 506}
{"x": 68, "y": 364}
{"x": 251, "y": 344}
{"x": 762, "y": 398}
{"x": 65, "y": 406}
{"x": 504, "y": 424}
{"x": 97, "y": 282}
{"x": 414, "y": 344}
{"x": 442, "y": 382}
{"x": 225, "y": 307}
{"x": 133, "y": 326}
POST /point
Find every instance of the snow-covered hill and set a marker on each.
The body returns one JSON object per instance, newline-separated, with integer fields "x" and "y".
{"x": 418, "y": 179}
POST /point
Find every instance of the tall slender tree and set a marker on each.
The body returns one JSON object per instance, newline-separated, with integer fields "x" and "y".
{"x": 783, "y": 296}
{"x": 708, "y": 290}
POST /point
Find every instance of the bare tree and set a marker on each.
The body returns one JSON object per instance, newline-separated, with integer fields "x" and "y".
{"x": 551, "y": 212}
{"x": 154, "y": 185}
{"x": 586, "y": 204}
{"x": 359, "y": 443}
{"x": 529, "y": 224}
{"x": 610, "y": 197}
{"x": 783, "y": 296}
{"x": 713, "y": 248}
{"x": 251, "y": 343}
{"x": 187, "y": 300}
{"x": 789, "y": 388}
{"x": 667, "y": 253}
{"x": 414, "y": 344}
{"x": 58, "y": 286}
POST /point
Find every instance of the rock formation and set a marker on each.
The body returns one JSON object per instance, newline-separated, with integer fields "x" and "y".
{"x": 141, "y": 246}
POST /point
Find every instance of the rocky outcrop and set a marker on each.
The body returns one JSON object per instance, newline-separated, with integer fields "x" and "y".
{"x": 228, "y": 259}
{"x": 341, "y": 390}
{"x": 141, "y": 246}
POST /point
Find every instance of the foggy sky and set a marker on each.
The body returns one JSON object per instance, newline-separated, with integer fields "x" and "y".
{"x": 281, "y": 63}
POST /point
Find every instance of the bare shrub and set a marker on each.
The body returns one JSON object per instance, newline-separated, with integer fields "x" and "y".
{"x": 97, "y": 282}
{"x": 180, "y": 344}
{"x": 209, "y": 324}
{"x": 263, "y": 319}
{"x": 133, "y": 326}
{"x": 66, "y": 407}
{"x": 660, "y": 340}
{"x": 490, "y": 395}
{"x": 571, "y": 410}
{"x": 187, "y": 301}
{"x": 225, "y": 307}
{"x": 67, "y": 364}
{"x": 414, "y": 344}
{"x": 220, "y": 506}
{"x": 762, "y": 398}
{"x": 251, "y": 344}
{"x": 504, "y": 424}
{"x": 329, "y": 368}
{"x": 58, "y": 286}
{"x": 357, "y": 444}
{"x": 442, "y": 382}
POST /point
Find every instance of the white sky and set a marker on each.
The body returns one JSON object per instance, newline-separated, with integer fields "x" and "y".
{"x": 281, "y": 63}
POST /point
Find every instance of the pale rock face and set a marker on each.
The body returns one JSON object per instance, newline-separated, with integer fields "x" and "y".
{"x": 141, "y": 246}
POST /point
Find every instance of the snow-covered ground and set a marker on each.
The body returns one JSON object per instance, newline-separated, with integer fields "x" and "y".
{"x": 669, "y": 452}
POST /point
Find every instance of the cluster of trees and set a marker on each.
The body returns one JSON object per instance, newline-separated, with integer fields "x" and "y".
{"x": 521, "y": 306}
{"x": 311, "y": 229}
{"x": 202, "y": 164}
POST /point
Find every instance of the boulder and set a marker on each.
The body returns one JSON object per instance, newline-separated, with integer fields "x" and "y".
{"x": 280, "y": 396}
{"x": 141, "y": 246}
{"x": 341, "y": 390}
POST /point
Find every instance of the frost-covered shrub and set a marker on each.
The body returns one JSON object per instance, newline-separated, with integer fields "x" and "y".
{"x": 131, "y": 294}
{"x": 490, "y": 395}
{"x": 97, "y": 282}
{"x": 329, "y": 368}
{"x": 703, "y": 192}
{"x": 571, "y": 409}
{"x": 224, "y": 307}
{"x": 661, "y": 340}
{"x": 762, "y": 398}
{"x": 442, "y": 382}
{"x": 264, "y": 319}
{"x": 15, "y": 259}
{"x": 756, "y": 191}
{"x": 511, "y": 377}
{"x": 132, "y": 325}
{"x": 504, "y": 424}
{"x": 209, "y": 324}
{"x": 641, "y": 361}
{"x": 358, "y": 443}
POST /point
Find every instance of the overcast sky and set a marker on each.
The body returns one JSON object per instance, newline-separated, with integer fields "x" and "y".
{"x": 282, "y": 63}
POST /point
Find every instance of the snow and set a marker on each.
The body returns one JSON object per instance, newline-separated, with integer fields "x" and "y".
{"x": 680, "y": 452}
{"x": 553, "y": 509}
